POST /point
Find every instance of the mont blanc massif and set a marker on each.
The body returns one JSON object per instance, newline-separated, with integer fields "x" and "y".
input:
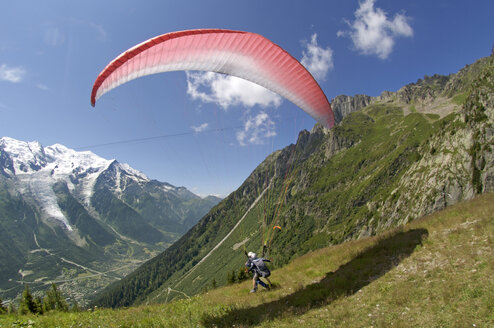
{"x": 80, "y": 220}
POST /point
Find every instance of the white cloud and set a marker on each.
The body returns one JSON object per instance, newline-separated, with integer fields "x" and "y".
{"x": 227, "y": 91}
{"x": 256, "y": 130}
{"x": 372, "y": 33}
{"x": 12, "y": 74}
{"x": 200, "y": 128}
{"x": 317, "y": 59}
{"x": 42, "y": 86}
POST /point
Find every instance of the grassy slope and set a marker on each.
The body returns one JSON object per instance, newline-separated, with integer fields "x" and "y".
{"x": 334, "y": 193}
{"x": 435, "y": 271}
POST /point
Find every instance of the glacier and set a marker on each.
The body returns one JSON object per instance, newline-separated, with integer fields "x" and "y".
{"x": 36, "y": 169}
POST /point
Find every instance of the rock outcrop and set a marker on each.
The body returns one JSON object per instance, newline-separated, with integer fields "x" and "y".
{"x": 343, "y": 105}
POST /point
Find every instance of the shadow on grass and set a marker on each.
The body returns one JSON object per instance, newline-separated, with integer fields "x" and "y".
{"x": 369, "y": 265}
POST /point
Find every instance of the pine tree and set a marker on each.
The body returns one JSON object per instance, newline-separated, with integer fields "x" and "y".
{"x": 49, "y": 302}
{"x": 231, "y": 277}
{"x": 38, "y": 305}
{"x": 54, "y": 300}
{"x": 228, "y": 278}
{"x": 241, "y": 275}
{"x": 27, "y": 304}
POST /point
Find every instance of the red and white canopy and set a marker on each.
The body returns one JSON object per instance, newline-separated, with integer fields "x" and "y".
{"x": 243, "y": 54}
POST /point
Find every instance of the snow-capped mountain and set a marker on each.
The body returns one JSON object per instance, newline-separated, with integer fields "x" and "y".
{"x": 36, "y": 169}
{"x": 84, "y": 207}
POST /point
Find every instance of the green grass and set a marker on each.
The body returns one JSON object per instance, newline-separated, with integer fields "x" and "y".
{"x": 460, "y": 98}
{"x": 432, "y": 116}
{"x": 434, "y": 272}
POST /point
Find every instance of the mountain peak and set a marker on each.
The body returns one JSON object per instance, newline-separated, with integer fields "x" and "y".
{"x": 25, "y": 156}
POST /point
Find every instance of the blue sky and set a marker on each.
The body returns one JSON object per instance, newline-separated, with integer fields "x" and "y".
{"x": 208, "y": 132}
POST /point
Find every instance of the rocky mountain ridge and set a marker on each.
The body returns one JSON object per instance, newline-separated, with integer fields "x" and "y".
{"x": 428, "y": 94}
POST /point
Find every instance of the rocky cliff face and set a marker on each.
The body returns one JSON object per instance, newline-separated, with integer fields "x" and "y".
{"x": 479, "y": 116}
{"x": 457, "y": 162}
{"x": 343, "y": 105}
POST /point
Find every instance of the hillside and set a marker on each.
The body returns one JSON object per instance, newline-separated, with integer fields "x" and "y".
{"x": 401, "y": 156}
{"x": 433, "y": 272}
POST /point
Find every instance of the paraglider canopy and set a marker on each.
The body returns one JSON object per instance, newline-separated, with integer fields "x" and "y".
{"x": 243, "y": 54}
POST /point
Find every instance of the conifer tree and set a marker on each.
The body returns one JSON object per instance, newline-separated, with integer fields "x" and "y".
{"x": 38, "y": 305}
{"x": 54, "y": 300}
{"x": 241, "y": 275}
{"x": 27, "y": 304}
{"x": 231, "y": 277}
{"x": 49, "y": 302}
{"x": 228, "y": 278}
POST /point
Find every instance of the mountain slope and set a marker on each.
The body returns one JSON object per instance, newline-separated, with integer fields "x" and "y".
{"x": 403, "y": 155}
{"x": 433, "y": 272}
{"x": 65, "y": 214}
